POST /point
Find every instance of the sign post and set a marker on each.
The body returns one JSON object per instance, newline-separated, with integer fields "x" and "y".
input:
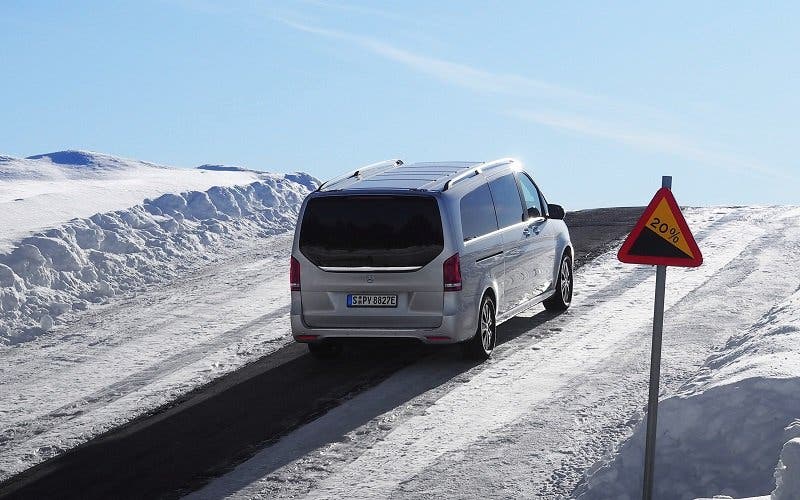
{"x": 661, "y": 238}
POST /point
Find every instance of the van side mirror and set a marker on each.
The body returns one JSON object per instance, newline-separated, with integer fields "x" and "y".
{"x": 555, "y": 211}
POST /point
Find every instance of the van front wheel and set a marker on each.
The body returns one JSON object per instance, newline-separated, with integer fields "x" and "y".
{"x": 481, "y": 345}
{"x": 561, "y": 300}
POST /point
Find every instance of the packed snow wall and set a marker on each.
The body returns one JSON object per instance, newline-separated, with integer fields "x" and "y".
{"x": 725, "y": 430}
{"x": 54, "y": 274}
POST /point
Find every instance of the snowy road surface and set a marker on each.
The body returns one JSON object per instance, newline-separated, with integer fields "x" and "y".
{"x": 127, "y": 358}
{"x": 560, "y": 392}
{"x": 135, "y": 355}
{"x": 553, "y": 399}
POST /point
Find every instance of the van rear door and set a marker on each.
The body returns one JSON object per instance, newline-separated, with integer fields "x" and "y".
{"x": 369, "y": 261}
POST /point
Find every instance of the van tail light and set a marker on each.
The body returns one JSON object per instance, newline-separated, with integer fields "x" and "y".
{"x": 294, "y": 275}
{"x": 451, "y": 270}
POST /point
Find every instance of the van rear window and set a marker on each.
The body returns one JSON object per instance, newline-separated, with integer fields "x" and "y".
{"x": 371, "y": 231}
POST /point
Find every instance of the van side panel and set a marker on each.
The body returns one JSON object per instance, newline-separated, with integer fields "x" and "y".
{"x": 482, "y": 258}
{"x": 481, "y": 268}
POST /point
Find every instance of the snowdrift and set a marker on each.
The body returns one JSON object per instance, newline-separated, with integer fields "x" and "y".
{"x": 54, "y": 273}
{"x": 45, "y": 191}
{"x": 724, "y": 431}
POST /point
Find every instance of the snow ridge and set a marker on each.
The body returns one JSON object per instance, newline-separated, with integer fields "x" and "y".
{"x": 733, "y": 420}
{"x": 55, "y": 273}
{"x": 82, "y": 159}
{"x": 69, "y": 164}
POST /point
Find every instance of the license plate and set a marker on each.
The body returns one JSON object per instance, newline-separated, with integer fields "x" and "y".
{"x": 363, "y": 300}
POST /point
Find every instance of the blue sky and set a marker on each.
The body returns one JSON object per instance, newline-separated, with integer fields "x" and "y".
{"x": 599, "y": 99}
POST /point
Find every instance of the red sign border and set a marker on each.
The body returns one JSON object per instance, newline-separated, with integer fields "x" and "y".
{"x": 624, "y": 256}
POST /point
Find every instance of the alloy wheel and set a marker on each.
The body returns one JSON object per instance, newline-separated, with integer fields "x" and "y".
{"x": 487, "y": 326}
{"x": 566, "y": 282}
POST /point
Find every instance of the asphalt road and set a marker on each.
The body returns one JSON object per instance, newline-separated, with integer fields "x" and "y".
{"x": 179, "y": 448}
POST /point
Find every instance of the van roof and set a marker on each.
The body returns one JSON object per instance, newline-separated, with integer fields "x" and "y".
{"x": 427, "y": 176}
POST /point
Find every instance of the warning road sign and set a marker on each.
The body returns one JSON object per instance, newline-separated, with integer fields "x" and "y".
{"x": 661, "y": 237}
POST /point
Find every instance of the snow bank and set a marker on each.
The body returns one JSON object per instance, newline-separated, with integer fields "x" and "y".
{"x": 724, "y": 431}
{"x": 62, "y": 270}
{"x": 45, "y": 191}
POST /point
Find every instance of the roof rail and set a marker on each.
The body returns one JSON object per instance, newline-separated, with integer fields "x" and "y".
{"x": 477, "y": 170}
{"x": 359, "y": 172}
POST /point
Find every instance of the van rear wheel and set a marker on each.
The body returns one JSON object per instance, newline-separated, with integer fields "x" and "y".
{"x": 325, "y": 350}
{"x": 481, "y": 345}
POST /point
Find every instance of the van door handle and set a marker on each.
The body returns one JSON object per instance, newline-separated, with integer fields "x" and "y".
{"x": 531, "y": 230}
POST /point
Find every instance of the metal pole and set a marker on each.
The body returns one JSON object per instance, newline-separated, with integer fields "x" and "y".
{"x": 655, "y": 373}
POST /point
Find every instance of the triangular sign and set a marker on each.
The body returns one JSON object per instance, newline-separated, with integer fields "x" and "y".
{"x": 661, "y": 237}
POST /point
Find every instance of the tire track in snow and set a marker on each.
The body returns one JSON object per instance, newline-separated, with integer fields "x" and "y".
{"x": 142, "y": 378}
{"x": 154, "y": 327}
{"x": 125, "y": 320}
{"x": 700, "y": 230}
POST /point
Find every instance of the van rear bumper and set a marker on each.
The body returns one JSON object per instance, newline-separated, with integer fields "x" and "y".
{"x": 455, "y": 328}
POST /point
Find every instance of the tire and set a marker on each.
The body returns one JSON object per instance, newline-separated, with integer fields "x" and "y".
{"x": 325, "y": 350}
{"x": 562, "y": 298}
{"x": 481, "y": 345}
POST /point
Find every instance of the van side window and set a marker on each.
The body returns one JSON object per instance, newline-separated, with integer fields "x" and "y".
{"x": 507, "y": 201}
{"x": 533, "y": 201}
{"x": 477, "y": 213}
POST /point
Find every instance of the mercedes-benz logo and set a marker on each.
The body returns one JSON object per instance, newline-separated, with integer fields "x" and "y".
{"x": 370, "y": 278}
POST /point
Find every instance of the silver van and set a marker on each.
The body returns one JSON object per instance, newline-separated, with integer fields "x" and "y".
{"x": 439, "y": 252}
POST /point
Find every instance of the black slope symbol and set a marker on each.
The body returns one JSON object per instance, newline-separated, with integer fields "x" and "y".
{"x": 650, "y": 244}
